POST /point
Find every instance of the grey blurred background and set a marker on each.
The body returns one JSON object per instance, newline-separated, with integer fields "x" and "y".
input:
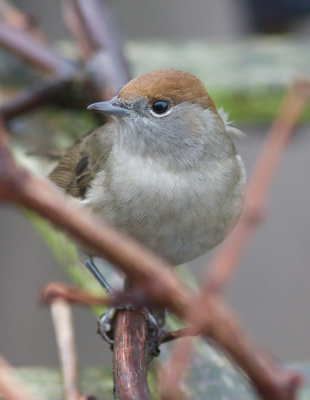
{"x": 270, "y": 291}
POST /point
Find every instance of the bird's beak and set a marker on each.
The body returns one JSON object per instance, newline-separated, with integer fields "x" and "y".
{"x": 113, "y": 107}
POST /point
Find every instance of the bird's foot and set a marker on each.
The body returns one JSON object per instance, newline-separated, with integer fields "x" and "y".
{"x": 106, "y": 321}
{"x": 106, "y": 326}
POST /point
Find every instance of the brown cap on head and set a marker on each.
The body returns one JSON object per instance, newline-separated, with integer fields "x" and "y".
{"x": 167, "y": 84}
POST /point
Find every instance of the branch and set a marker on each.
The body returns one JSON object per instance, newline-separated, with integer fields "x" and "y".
{"x": 74, "y": 23}
{"x": 91, "y": 24}
{"x": 104, "y": 34}
{"x": 37, "y": 54}
{"x": 70, "y": 294}
{"x": 35, "y": 95}
{"x": 129, "y": 356}
{"x": 106, "y": 69}
{"x": 170, "y": 374}
{"x": 65, "y": 340}
{"x": 179, "y": 334}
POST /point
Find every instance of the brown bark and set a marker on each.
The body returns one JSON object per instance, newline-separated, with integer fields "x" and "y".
{"x": 130, "y": 357}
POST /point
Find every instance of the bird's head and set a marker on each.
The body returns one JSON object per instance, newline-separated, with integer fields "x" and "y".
{"x": 165, "y": 112}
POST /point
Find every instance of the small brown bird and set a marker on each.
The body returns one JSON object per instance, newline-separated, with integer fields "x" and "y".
{"x": 163, "y": 169}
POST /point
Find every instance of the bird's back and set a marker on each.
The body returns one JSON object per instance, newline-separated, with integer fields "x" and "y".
{"x": 80, "y": 165}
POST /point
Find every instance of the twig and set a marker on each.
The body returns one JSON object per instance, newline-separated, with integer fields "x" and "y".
{"x": 35, "y": 95}
{"x": 24, "y": 46}
{"x": 104, "y": 34}
{"x": 179, "y": 334}
{"x": 11, "y": 387}
{"x": 130, "y": 375}
{"x": 70, "y": 294}
{"x": 62, "y": 319}
{"x": 74, "y": 23}
{"x": 171, "y": 374}
{"x": 106, "y": 69}
{"x": 91, "y": 25}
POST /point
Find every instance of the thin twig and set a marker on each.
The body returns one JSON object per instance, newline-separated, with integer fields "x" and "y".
{"x": 11, "y": 387}
{"x": 171, "y": 374}
{"x": 91, "y": 24}
{"x": 74, "y": 23}
{"x": 37, "y": 94}
{"x": 24, "y": 46}
{"x": 169, "y": 336}
{"x": 62, "y": 319}
{"x": 70, "y": 294}
{"x": 104, "y": 34}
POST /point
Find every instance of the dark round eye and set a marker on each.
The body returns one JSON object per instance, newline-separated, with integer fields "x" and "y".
{"x": 160, "y": 106}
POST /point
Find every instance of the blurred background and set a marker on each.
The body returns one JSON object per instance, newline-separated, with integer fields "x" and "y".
{"x": 247, "y": 53}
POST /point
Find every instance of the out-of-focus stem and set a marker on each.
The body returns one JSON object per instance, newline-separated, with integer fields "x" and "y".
{"x": 24, "y": 46}
{"x": 65, "y": 340}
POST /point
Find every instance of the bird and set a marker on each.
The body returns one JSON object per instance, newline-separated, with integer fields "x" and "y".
{"x": 163, "y": 168}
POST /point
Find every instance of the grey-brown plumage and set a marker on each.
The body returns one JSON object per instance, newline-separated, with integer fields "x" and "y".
{"x": 80, "y": 165}
{"x": 163, "y": 170}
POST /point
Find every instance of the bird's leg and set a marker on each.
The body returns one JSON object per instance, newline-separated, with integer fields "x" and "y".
{"x": 90, "y": 265}
{"x": 105, "y": 323}
{"x": 105, "y": 320}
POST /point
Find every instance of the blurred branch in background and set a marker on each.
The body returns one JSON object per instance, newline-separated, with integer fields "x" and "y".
{"x": 104, "y": 71}
{"x": 70, "y": 294}
{"x": 64, "y": 331}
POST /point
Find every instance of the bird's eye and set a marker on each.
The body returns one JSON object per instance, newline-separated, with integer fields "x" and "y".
{"x": 160, "y": 106}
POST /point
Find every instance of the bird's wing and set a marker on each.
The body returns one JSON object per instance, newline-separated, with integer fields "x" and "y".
{"x": 77, "y": 169}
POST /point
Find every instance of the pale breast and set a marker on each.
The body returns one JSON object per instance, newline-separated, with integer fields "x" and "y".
{"x": 177, "y": 215}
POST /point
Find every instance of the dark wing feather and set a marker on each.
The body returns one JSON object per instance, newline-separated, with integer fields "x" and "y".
{"x": 80, "y": 165}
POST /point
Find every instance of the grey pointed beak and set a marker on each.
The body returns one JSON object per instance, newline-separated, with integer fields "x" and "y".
{"x": 113, "y": 107}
